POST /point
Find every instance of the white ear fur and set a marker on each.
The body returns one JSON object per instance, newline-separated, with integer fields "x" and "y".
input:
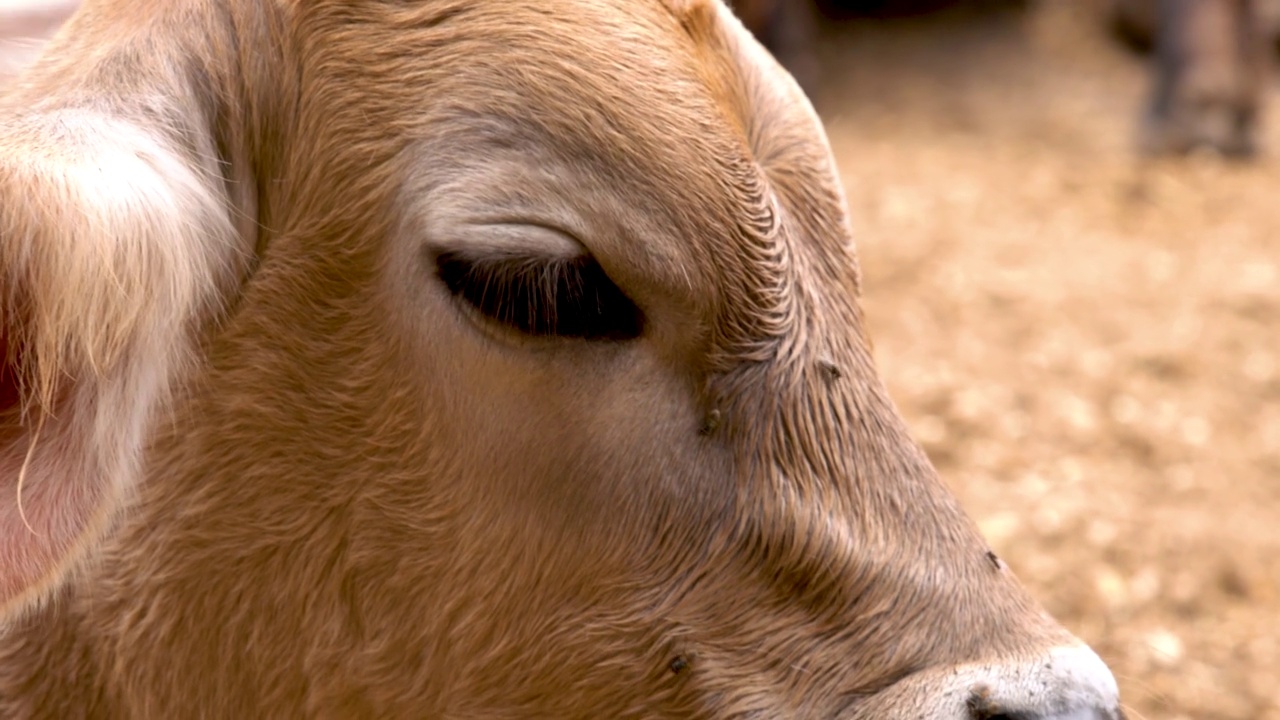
{"x": 112, "y": 248}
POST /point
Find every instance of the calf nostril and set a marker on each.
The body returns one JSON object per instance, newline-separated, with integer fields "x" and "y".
{"x": 976, "y": 713}
{"x": 1067, "y": 683}
{"x": 982, "y": 707}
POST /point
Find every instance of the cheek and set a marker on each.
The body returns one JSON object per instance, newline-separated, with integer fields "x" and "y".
{"x": 606, "y": 436}
{"x": 555, "y": 437}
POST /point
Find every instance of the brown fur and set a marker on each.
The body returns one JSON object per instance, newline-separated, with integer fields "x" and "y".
{"x": 355, "y": 501}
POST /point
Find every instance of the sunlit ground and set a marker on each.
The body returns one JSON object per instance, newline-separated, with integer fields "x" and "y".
{"x": 1087, "y": 345}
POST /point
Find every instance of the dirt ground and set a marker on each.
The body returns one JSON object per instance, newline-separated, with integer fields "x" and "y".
{"x": 1087, "y": 345}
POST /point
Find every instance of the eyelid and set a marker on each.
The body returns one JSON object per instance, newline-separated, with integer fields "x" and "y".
{"x": 502, "y": 236}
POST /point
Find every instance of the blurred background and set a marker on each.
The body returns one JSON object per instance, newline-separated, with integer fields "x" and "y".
{"x": 1076, "y": 303}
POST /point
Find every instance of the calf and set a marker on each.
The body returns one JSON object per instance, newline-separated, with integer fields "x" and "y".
{"x": 463, "y": 359}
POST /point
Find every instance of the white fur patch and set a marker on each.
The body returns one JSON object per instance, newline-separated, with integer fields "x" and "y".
{"x": 114, "y": 246}
{"x": 1069, "y": 682}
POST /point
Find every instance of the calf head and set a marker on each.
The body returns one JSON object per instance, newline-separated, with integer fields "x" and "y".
{"x": 464, "y": 359}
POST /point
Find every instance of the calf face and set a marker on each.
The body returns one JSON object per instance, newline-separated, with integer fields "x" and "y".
{"x": 463, "y": 359}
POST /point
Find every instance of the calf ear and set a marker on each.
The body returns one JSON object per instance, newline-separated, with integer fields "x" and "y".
{"x": 116, "y": 244}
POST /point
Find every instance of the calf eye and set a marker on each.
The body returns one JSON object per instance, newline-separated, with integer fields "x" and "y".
{"x": 544, "y": 296}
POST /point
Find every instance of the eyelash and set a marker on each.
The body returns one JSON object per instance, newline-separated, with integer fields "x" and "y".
{"x": 547, "y": 297}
